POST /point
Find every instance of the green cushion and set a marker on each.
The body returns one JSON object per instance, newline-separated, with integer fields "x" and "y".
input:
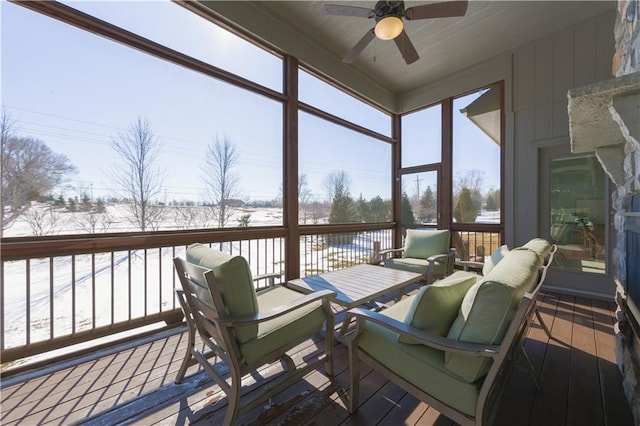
{"x": 419, "y": 266}
{"x": 488, "y": 307}
{"x": 420, "y": 365}
{"x": 234, "y": 282}
{"x": 436, "y": 306}
{"x": 540, "y": 246}
{"x": 421, "y": 244}
{"x": 287, "y": 330}
{"x": 493, "y": 260}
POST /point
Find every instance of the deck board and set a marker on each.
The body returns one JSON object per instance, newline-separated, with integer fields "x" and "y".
{"x": 134, "y": 383}
{"x": 550, "y": 405}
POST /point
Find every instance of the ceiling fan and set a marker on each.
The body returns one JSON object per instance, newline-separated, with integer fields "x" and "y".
{"x": 388, "y": 16}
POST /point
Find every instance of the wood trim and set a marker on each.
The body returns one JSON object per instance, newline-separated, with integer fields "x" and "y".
{"x": 503, "y": 123}
{"x": 396, "y": 188}
{"x": 476, "y": 227}
{"x": 347, "y": 227}
{"x": 433, "y": 167}
{"x": 445, "y": 188}
{"x": 22, "y": 248}
{"x": 344, "y": 123}
{"x": 291, "y": 170}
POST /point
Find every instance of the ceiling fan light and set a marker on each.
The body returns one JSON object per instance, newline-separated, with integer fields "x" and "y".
{"x": 388, "y": 27}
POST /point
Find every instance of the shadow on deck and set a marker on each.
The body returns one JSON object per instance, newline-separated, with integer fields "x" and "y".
{"x": 133, "y": 383}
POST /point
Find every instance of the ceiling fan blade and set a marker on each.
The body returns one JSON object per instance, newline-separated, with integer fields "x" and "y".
{"x": 337, "y": 9}
{"x": 359, "y": 47}
{"x": 437, "y": 10}
{"x": 406, "y": 48}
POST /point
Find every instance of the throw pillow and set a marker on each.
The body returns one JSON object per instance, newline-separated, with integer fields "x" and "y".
{"x": 436, "y": 306}
{"x": 492, "y": 261}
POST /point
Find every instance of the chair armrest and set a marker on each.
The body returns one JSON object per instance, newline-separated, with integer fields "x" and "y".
{"x": 449, "y": 257}
{"x": 450, "y": 254}
{"x": 279, "y": 311}
{"x": 466, "y": 264}
{"x": 420, "y": 336}
{"x": 271, "y": 277}
{"x": 384, "y": 254}
{"x": 432, "y": 259}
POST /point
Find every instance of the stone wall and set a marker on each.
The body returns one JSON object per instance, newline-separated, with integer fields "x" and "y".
{"x": 627, "y": 35}
{"x": 627, "y": 61}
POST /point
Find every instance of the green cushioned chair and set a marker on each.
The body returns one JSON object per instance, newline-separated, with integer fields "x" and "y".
{"x": 246, "y": 329}
{"x": 426, "y": 252}
{"x": 450, "y": 344}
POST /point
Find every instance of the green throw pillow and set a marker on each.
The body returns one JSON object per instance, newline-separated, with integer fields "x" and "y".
{"x": 493, "y": 260}
{"x": 436, "y": 306}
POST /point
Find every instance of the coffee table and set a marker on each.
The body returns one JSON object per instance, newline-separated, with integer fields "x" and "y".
{"x": 357, "y": 285}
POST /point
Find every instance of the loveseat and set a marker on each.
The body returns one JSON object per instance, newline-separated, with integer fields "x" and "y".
{"x": 449, "y": 343}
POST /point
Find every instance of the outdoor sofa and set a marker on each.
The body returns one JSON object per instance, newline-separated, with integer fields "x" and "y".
{"x": 450, "y": 343}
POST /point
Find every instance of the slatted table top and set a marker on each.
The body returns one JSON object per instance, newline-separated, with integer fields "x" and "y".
{"x": 358, "y": 284}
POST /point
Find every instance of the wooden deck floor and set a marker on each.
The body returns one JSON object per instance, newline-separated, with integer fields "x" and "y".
{"x": 134, "y": 384}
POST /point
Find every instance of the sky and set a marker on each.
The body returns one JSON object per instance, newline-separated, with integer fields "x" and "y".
{"x": 76, "y": 92}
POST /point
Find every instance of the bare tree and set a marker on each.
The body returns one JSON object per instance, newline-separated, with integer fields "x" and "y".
{"x": 221, "y": 183}
{"x": 336, "y": 183}
{"x": 472, "y": 179}
{"x": 30, "y": 169}
{"x": 304, "y": 196}
{"x": 187, "y": 217}
{"x": 93, "y": 221}
{"x": 42, "y": 220}
{"x": 136, "y": 176}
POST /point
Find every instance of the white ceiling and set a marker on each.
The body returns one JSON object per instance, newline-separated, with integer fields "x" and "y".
{"x": 445, "y": 45}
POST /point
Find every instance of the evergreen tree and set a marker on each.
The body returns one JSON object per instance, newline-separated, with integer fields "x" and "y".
{"x": 85, "y": 202}
{"x": 100, "y": 207}
{"x": 466, "y": 210}
{"x": 407, "y": 218}
{"x": 72, "y": 205}
{"x": 428, "y": 206}
{"x": 59, "y": 202}
{"x": 379, "y": 211}
{"x": 493, "y": 200}
{"x": 341, "y": 207}
{"x": 362, "y": 211}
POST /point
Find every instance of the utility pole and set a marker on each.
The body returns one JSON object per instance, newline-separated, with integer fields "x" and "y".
{"x": 418, "y": 179}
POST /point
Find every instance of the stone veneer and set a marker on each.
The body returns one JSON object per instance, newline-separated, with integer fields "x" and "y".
{"x": 626, "y": 61}
{"x": 604, "y": 117}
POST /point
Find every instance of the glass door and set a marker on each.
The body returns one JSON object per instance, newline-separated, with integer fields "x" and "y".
{"x": 574, "y": 208}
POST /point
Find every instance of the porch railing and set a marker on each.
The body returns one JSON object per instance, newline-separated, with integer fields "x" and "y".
{"x": 57, "y": 292}
{"x": 475, "y": 245}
